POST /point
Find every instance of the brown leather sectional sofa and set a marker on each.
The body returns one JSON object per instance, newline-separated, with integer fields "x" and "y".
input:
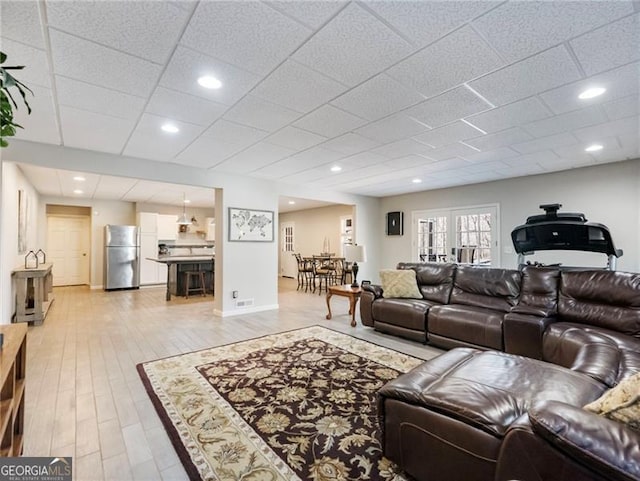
{"x": 480, "y": 413}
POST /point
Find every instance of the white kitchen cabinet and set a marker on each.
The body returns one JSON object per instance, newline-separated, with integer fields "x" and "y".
{"x": 167, "y": 227}
{"x": 211, "y": 228}
{"x": 149, "y": 269}
{"x": 148, "y": 222}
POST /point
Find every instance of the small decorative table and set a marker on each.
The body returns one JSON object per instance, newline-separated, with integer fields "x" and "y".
{"x": 33, "y": 287}
{"x": 353, "y": 293}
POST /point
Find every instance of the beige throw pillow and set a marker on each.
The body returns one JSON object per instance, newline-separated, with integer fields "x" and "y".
{"x": 400, "y": 283}
{"x": 621, "y": 403}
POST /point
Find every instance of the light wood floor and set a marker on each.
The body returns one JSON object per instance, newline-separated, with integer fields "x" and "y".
{"x": 84, "y": 397}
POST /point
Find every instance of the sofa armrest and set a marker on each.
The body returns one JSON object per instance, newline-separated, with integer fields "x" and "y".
{"x": 375, "y": 289}
{"x": 523, "y": 334}
{"x": 608, "y": 447}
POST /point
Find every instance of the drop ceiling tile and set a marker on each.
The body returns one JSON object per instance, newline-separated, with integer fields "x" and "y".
{"x": 566, "y": 122}
{"x": 408, "y": 162}
{"x": 112, "y": 187}
{"x": 351, "y": 55}
{"x": 35, "y": 71}
{"x": 21, "y": 22}
{"x": 504, "y": 138}
{"x": 329, "y": 121}
{"x": 491, "y": 155}
{"x": 457, "y": 58}
{"x": 624, "y": 107}
{"x": 520, "y": 29}
{"x": 619, "y": 83}
{"x": 186, "y": 66}
{"x": 450, "y": 151}
{"x": 531, "y": 159}
{"x": 253, "y": 158}
{"x": 576, "y": 151}
{"x": 254, "y": 37}
{"x": 260, "y": 114}
{"x": 44, "y": 180}
{"x": 184, "y": 107}
{"x": 425, "y": 22}
{"x": 392, "y": 128}
{"x": 448, "y": 134}
{"x": 404, "y": 147}
{"x": 295, "y": 139}
{"x": 545, "y": 143}
{"x": 150, "y": 142}
{"x": 447, "y": 164}
{"x": 629, "y": 141}
{"x": 363, "y": 159}
{"x": 302, "y": 161}
{"x": 297, "y": 87}
{"x": 349, "y": 144}
{"x": 124, "y": 26}
{"x": 207, "y": 152}
{"x": 100, "y": 100}
{"x": 312, "y": 13}
{"x": 483, "y": 167}
{"x": 511, "y": 115}
{"x": 616, "y": 155}
{"x": 450, "y": 106}
{"x": 68, "y": 185}
{"x": 234, "y": 133}
{"x": 92, "y": 63}
{"x": 630, "y": 125}
{"x": 377, "y": 98}
{"x": 93, "y": 131}
{"x": 42, "y": 124}
{"x": 519, "y": 170}
{"x": 610, "y": 46}
{"x": 544, "y": 71}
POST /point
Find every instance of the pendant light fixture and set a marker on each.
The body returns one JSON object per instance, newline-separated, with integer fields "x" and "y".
{"x": 183, "y": 219}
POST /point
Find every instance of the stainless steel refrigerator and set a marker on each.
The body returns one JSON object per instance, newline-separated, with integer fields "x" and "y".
{"x": 121, "y": 257}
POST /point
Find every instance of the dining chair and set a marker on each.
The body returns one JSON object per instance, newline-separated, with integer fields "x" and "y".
{"x": 323, "y": 270}
{"x": 305, "y": 272}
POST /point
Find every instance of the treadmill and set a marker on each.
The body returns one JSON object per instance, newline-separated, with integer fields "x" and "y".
{"x": 562, "y": 231}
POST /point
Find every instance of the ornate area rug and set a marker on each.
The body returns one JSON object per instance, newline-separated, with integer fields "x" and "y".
{"x": 299, "y": 405}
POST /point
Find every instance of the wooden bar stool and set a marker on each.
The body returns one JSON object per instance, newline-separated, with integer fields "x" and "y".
{"x": 199, "y": 276}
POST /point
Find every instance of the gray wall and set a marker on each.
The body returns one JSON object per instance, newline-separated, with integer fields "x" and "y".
{"x": 608, "y": 194}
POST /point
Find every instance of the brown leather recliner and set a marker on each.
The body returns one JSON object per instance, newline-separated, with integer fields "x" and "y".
{"x": 479, "y": 415}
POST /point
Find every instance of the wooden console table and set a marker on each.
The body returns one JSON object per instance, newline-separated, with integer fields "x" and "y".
{"x": 13, "y": 370}
{"x": 353, "y": 293}
{"x": 33, "y": 287}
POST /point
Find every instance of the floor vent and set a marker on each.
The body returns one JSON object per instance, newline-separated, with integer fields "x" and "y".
{"x": 244, "y": 303}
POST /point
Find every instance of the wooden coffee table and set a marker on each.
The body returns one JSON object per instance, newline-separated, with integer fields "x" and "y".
{"x": 353, "y": 293}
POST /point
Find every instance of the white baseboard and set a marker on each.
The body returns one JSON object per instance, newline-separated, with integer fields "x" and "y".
{"x": 248, "y": 310}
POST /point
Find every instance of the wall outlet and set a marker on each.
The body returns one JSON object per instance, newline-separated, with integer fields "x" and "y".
{"x": 234, "y": 294}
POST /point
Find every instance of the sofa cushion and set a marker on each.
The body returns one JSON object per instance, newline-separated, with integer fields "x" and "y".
{"x": 600, "y": 298}
{"x": 400, "y": 283}
{"x": 621, "y": 403}
{"x": 495, "y": 289}
{"x": 435, "y": 280}
{"x": 470, "y": 324}
{"x": 539, "y": 292}
{"x": 407, "y": 313}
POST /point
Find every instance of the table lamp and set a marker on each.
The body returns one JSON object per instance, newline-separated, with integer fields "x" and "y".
{"x": 355, "y": 254}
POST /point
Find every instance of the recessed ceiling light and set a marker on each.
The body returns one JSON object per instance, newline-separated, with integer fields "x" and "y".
{"x": 78, "y": 191}
{"x": 593, "y": 148}
{"x": 592, "y": 92}
{"x": 172, "y": 129}
{"x": 209, "y": 82}
{"x": 336, "y": 168}
{"x": 291, "y": 202}
{"x": 416, "y": 181}
{"x": 79, "y": 178}
{"x": 186, "y": 201}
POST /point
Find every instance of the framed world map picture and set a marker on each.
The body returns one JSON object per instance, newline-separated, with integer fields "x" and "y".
{"x": 250, "y": 225}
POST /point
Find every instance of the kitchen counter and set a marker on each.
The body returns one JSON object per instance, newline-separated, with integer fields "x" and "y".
{"x": 177, "y": 265}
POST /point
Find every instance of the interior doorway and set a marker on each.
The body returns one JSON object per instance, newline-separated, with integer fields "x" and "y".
{"x": 68, "y": 248}
{"x": 288, "y": 264}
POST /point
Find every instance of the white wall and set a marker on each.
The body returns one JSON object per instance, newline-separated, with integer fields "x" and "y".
{"x": 608, "y": 194}
{"x": 312, "y": 226}
{"x": 103, "y": 212}
{"x": 12, "y": 181}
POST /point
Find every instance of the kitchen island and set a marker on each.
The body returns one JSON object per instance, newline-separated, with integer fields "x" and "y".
{"x": 178, "y": 265}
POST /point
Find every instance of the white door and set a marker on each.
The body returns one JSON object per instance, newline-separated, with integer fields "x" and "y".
{"x": 468, "y": 235}
{"x": 288, "y": 264}
{"x": 68, "y": 241}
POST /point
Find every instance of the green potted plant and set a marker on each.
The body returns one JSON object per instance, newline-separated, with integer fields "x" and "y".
{"x": 7, "y": 103}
